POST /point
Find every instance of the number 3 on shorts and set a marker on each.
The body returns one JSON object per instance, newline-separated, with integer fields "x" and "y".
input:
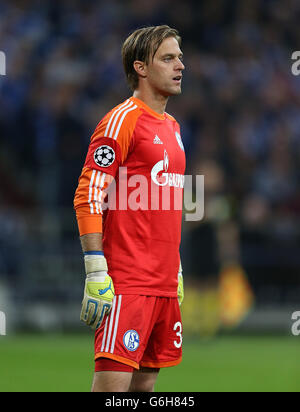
{"x": 178, "y": 326}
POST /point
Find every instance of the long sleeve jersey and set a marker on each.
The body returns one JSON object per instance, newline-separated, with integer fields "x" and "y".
{"x": 131, "y": 190}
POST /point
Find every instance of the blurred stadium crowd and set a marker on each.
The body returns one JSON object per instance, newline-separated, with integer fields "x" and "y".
{"x": 239, "y": 114}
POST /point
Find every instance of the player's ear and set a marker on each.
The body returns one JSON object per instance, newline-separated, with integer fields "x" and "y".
{"x": 140, "y": 67}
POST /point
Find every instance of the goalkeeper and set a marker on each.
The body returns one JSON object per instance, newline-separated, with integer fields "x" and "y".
{"x": 134, "y": 285}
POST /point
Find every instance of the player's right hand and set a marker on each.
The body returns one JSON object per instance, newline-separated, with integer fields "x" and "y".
{"x": 97, "y": 300}
{"x": 98, "y": 292}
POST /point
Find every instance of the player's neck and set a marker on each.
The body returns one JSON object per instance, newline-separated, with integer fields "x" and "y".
{"x": 155, "y": 101}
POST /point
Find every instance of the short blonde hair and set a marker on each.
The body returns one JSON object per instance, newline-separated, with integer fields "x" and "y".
{"x": 141, "y": 45}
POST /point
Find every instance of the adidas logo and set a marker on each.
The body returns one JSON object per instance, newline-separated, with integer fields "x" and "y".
{"x": 157, "y": 140}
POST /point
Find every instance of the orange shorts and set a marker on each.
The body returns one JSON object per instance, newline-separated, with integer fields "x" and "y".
{"x": 141, "y": 331}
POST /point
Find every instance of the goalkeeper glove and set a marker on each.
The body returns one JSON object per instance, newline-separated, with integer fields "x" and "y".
{"x": 180, "y": 289}
{"x": 98, "y": 292}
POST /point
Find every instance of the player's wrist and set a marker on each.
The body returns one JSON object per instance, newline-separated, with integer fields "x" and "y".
{"x": 96, "y": 277}
{"x": 95, "y": 264}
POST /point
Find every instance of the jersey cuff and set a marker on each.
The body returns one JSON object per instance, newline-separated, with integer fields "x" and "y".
{"x": 89, "y": 224}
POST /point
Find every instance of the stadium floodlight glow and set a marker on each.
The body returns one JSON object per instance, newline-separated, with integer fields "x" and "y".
{"x": 2, "y": 64}
{"x": 2, "y": 324}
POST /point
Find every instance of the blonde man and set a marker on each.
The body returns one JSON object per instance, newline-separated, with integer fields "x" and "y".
{"x": 134, "y": 281}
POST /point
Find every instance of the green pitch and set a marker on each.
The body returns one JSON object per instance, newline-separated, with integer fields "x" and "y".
{"x": 64, "y": 363}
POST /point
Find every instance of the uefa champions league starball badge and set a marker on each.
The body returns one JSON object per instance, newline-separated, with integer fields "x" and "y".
{"x": 104, "y": 156}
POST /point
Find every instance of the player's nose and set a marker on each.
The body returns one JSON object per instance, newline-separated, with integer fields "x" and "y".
{"x": 179, "y": 65}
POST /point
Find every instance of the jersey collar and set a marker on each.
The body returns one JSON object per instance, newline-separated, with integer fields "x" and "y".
{"x": 142, "y": 104}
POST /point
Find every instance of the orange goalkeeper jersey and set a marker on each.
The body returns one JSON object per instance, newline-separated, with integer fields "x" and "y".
{"x": 131, "y": 190}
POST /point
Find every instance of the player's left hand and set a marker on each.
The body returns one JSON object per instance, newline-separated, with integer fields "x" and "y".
{"x": 180, "y": 289}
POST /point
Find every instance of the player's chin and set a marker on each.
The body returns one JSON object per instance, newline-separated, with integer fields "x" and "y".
{"x": 178, "y": 92}
{"x": 174, "y": 91}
